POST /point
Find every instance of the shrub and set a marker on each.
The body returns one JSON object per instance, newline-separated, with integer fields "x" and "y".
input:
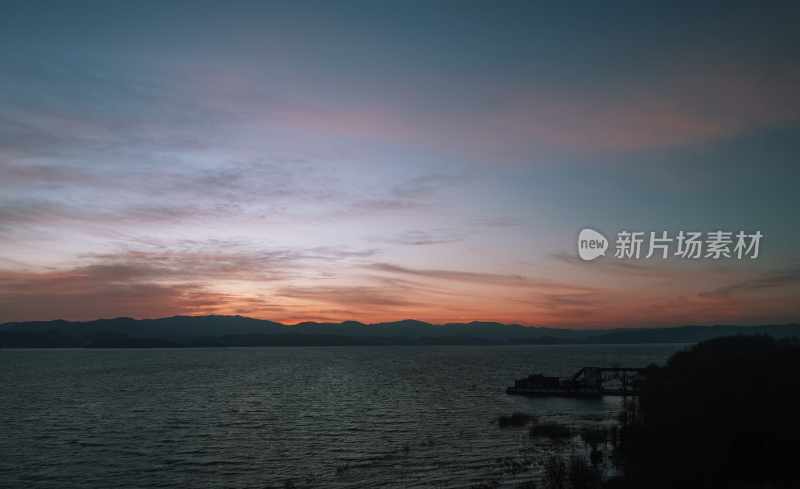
{"x": 551, "y": 430}
{"x": 581, "y": 475}
{"x": 555, "y": 473}
{"x": 594, "y": 437}
{"x": 721, "y": 414}
{"x": 516, "y": 420}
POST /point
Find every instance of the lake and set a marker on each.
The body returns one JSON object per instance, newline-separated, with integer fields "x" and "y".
{"x": 339, "y": 417}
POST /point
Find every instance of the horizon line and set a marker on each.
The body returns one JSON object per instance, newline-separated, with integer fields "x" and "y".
{"x": 404, "y": 320}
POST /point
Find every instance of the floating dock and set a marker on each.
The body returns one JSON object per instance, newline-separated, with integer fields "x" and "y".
{"x": 588, "y": 382}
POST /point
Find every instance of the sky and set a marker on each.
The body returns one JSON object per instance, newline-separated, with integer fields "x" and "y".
{"x": 375, "y": 161}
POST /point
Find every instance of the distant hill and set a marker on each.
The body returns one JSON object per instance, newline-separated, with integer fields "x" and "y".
{"x": 221, "y": 331}
{"x": 692, "y": 334}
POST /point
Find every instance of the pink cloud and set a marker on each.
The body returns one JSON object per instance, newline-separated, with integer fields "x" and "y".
{"x": 698, "y": 104}
{"x": 702, "y": 104}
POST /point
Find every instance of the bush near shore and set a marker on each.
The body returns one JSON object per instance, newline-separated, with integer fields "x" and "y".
{"x": 723, "y": 414}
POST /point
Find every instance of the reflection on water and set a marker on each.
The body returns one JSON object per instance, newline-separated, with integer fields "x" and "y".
{"x": 259, "y": 417}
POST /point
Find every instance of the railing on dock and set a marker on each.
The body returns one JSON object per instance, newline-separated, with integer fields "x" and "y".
{"x": 587, "y": 382}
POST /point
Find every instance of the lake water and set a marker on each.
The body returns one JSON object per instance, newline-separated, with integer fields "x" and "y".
{"x": 348, "y": 417}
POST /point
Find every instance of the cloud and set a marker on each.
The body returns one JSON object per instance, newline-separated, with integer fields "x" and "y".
{"x": 215, "y": 260}
{"x": 102, "y": 291}
{"x": 24, "y": 213}
{"x": 331, "y": 253}
{"x": 497, "y": 222}
{"x": 126, "y": 195}
{"x": 348, "y": 296}
{"x": 568, "y": 307}
{"x": 49, "y": 176}
{"x": 206, "y": 265}
{"x": 694, "y": 102}
{"x": 57, "y": 129}
{"x": 776, "y": 279}
{"x": 191, "y": 278}
{"x": 479, "y": 278}
{"x": 229, "y": 278}
{"x": 409, "y": 196}
{"x": 228, "y": 182}
{"x": 366, "y": 207}
{"x": 614, "y": 266}
{"x": 426, "y": 185}
{"x": 452, "y": 275}
{"x": 422, "y": 238}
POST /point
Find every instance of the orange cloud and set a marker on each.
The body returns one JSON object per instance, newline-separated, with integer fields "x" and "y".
{"x": 270, "y": 286}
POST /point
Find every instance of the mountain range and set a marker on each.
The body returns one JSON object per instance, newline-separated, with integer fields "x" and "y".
{"x": 225, "y": 331}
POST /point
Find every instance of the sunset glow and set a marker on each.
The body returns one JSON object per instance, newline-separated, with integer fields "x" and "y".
{"x": 364, "y": 164}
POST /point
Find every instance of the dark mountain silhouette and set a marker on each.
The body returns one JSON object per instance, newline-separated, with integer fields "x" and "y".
{"x": 210, "y": 331}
